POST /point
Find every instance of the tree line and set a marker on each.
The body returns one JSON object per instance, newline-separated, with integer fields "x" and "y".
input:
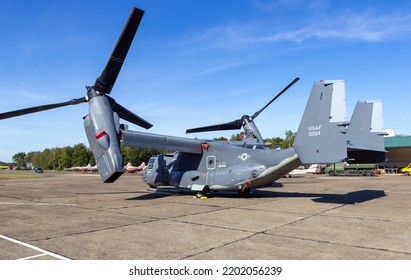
{"x": 78, "y": 155}
{"x": 81, "y": 155}
{"x": 275, "y": 142}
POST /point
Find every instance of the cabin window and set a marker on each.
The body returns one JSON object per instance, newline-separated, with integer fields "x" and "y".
{"x": 150, "y": 164}
{"x": 211, "y": 162}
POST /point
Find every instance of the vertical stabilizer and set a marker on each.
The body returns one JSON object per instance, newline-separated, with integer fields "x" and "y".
{"x": 321, "y": 135}
{"x": 365, "y": 141}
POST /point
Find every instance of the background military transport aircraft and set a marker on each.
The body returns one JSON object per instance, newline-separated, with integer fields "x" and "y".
{"x": 324, "y": 136}
{"x": 87, "y": 168}
{"x": 133, "y": 169}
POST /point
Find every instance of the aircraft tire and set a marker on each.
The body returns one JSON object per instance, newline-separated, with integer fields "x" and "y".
{"x": 244, "y": 192}
{"x": 206, "y": 191}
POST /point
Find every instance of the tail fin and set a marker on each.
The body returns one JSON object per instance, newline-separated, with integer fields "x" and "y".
{"x": 365, "y": 141}
{"x": 321, "y": 135}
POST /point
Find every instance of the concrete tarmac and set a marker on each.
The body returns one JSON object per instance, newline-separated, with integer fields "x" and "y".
{"x": 312, "y": 217}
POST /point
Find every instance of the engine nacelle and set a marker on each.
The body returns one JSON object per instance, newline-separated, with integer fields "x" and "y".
{"x": 101, "y": 126}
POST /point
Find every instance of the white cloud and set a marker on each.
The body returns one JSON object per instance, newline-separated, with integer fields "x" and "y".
{"x": 365, "y": 26}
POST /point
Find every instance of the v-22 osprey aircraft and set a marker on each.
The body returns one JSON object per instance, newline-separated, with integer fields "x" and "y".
{"x": 323, "y": 136}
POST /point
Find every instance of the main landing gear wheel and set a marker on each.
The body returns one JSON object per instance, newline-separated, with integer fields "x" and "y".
{"x": 204, "y": 193}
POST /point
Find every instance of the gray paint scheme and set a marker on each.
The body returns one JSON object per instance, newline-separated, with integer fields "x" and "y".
{"x": 365, "y": 129}
{"x": 320, "y": 137}
{"x": 206, "y": 164}
{"x": 224, "y": 166}
{"x": 161, "y": 142}
{"x": 101, "y": 126}
{"x": 213, "y": 165}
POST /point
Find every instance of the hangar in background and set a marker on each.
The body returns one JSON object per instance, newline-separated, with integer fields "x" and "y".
{"x": 399, "y": 151}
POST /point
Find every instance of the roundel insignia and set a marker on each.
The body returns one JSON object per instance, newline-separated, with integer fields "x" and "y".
{"x": 244, "y": 156}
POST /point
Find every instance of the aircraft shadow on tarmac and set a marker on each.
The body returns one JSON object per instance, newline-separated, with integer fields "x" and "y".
{"x": 348, "y": 198}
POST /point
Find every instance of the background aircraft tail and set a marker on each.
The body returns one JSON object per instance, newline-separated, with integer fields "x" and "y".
{"x": 321, "y": 135}
{"x": 364, "y": 134}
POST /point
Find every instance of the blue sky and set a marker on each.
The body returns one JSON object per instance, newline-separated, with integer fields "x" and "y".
{"x": 196, "y": 63}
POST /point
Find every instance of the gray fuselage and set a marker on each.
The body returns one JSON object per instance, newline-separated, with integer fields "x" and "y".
{"x": 221, "y": 167}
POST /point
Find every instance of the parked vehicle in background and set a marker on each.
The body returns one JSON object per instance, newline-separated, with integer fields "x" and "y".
{"x": 38, "y": 170}
{"x": 344, "y": 168}
{"x": 406, "y": 170}
{"x": 312, "y": 169}
{"x": 303, "y": 170}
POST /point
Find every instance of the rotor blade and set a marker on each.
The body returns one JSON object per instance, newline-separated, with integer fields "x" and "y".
{"x": 272, "y": 100}
{"x": 127, "y": 115}
{"x": 108, "y": 77}
{"x": 236, "y": 124}
{"x": 40, "y": 108}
